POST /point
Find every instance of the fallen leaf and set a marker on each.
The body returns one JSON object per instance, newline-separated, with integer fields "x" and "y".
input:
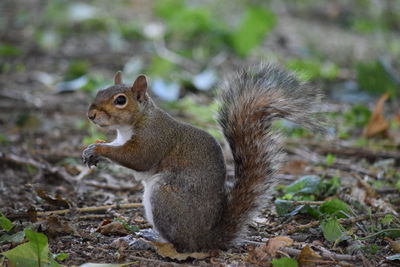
{"x": 167, "y": 250}
{"x": 98, "y": 141}
{"x": 394, "y": 244}
{"x": 275, "y": 243}
{"x": 58, "y": 201}
{"x": 108, "y": 227}
{"x": 377, "y": 123}
{"x": 263, "y": 255}
{"x": 308, "y": 257}
{"x": 397, "y": 117}
{"x": 53, "y": 226}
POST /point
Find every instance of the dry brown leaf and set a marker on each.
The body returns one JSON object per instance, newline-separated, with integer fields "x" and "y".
{"x": 397, "y": 117}
{"x": 167, "y": 250}
{"x": 58, "y": 201}
{"x": 293, "y": 167}
{"x": 308, "y": 257}
{"x": 54, "y": 226}
{"x": 275, "y": 243}
{"x": 394, "y": 244}
{"x": 108, "y": 227}
{"x": 377, "y": 123}
{"x": 263, "y": 255}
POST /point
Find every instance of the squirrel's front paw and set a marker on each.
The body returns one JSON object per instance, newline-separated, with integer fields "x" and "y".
{"x": 89, "y": 156}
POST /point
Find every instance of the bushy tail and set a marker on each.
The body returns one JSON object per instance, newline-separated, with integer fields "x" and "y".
{"x": 250, "y": 101}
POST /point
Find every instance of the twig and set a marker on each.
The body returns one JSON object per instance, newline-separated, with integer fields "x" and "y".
{"x": 305, "y": 202}
{"x": 339, "y": 163}
{"x": 90, "y": 209}
{"x": 343, "y": 221}
{"x": 325, "y": 254}
{"x": 156, "y": 262}
{"x": 358, "y": 152}
{"x": 378, "y": 233}
{"x": 132, "y": 188}
{"x": 41, "y": 166}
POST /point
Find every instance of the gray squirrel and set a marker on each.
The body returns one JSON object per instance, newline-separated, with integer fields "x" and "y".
{"x": 182, "y": 168}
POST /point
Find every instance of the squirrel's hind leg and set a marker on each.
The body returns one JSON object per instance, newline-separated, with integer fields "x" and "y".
{"x": 181, "y": 217}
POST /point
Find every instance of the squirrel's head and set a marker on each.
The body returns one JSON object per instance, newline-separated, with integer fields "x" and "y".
{"x": 120, "y": 104}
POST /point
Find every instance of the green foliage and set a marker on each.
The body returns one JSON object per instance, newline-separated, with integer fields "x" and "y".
{"x": 305, "y": 185}
{"x": 358, "y": 115}
{"x": 60, "y": 256}
{"x": 284, "y": 262}
{"x": 372, "y": 77}
{"x": 76, "y": 69}
{"x": 127, "y": 226}
{"x": 255, "y": 25}
{"x": 310, "y": 188}
{"x": 166, "y": 9}
{"x": 5, "y": 223}
{"x": 199, "y": 115}
{"x": 335, "y": 207}
{"x": 330, "y": 159}
{"x": 312, "y": 69}
{"x": 197, "y": 31}
{"x": 33, "y": 253}
{"x": 160, "y": 67}
{"x": 9, "y": 50}
{"x": 332, "y": 230}
{"x": 371, "y": 249}
{"x": 388, "y": 219}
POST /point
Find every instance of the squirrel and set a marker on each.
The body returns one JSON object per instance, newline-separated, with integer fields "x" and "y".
{"x": 186, "y": 197}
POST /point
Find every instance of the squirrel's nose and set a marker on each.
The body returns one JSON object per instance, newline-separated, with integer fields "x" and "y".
{"x": 92, "y": 115}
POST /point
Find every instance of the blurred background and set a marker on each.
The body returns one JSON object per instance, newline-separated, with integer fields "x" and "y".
{"x": 55, "y": 55}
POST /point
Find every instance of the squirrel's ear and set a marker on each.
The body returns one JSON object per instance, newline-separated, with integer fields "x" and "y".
{"x": 139, "y": 88}
{"x": 118, "y": 77}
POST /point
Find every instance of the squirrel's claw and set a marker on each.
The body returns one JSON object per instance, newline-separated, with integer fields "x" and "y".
{"x": 89, "y": 157}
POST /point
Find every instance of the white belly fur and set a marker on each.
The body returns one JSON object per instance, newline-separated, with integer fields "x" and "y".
{"x": 148, "y": 179}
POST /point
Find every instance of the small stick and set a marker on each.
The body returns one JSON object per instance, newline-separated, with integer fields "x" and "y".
{"x": 90, "y": 209}
{"x": 343, "y": 221}
{"x": 325, "y": 254}
{"x": 305, "y": 202}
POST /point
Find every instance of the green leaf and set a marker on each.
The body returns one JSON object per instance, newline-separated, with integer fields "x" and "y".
{"x": 284, "y": 262}
{"x": 167, "y": 9}
{"x": 394, "y": 257}
{"x": 372, "y": 77}
{"x": 5, "y": 223}
{"x": 330, "y": 159}
{"x": 388, "y": 219}
{"x": 332, "y": 230}
{"x": 312, "y": 69}
{"x": 33, "y": 253}
{"x": 306, "y": 185}
{"x": 256, "y": 24}
{"x": 286, "y": 208}
{"x": 9, "y": 50}
{"x": 60, "y": 256}
{"x": 336, "y": 207}
{"x": 76, "y": 69}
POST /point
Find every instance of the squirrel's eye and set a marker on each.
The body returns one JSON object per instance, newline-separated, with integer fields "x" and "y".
{"x": 120, "y": 100}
